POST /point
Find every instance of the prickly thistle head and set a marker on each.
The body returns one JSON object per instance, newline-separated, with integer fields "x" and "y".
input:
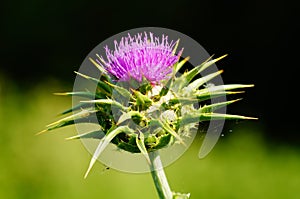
{"x": 140, "y": 103}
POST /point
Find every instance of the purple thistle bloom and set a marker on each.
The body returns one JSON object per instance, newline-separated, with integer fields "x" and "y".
{"x": 140, "y": 56}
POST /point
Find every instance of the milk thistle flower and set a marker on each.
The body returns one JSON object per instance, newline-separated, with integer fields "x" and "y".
{"x": 141, "y": 56}
{"x": 154, "y": 108}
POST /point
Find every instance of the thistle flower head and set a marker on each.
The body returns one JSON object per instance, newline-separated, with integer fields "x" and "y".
{"x": 146, "y": 118}
{"x": 141, "y": 56}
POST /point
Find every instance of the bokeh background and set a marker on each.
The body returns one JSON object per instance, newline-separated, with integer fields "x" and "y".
{"x": 43, "y": 42}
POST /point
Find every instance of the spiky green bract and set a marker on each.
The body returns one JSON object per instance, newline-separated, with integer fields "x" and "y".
{"x": 140, "y": 117}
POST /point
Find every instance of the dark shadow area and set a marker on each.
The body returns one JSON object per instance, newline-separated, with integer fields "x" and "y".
{"x": 49, "y": 39}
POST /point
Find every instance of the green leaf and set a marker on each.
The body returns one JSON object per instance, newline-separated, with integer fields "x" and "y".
{"x": 104, "y": 142}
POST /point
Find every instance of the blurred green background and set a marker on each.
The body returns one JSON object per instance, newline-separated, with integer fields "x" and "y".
{"x": 42, "y": 42}
{"x": 242, "y": 165}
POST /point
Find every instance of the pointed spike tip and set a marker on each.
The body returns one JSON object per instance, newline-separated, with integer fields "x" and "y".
{"x": 41, "y": 132}
{"x": 62, "y": 94}
{"x": 71, "y": 138}
{"x": 236, "y": 100}
{"x": 176, "y": 46}
{"x": 219, "y": 58}
{"x": 101, "y": 69}
{"x": 251, "y": 118}
{"x": 77, "y": 73}
{"x": 93, "y": 160}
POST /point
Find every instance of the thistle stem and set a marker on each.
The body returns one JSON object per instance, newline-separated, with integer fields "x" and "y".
{"x": 159, "y": 177}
